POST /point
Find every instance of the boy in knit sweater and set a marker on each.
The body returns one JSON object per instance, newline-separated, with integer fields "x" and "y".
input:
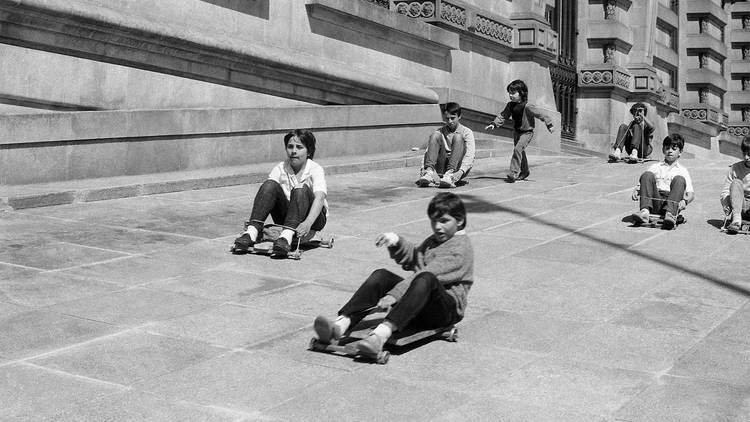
{"x": 434, "y": 296}
{"x": 735, "y": 196}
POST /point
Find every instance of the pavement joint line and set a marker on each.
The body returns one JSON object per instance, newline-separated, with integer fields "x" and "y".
{"x": 26, "y": 267}
{"x": 70, "y": 346}
{"x": 79, "y": 377}
{"x": 228, "y": 410}
{"x": 90, "y": 264}
{"x": 92, "y": 247}
{"x": 126, "y": 228}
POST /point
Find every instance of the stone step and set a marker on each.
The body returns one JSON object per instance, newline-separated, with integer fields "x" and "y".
{"x": 15, "y": 197}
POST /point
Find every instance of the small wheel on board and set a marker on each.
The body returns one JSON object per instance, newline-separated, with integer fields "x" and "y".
{"x": 383, "y": 357}
{"x": 453, "y": 335}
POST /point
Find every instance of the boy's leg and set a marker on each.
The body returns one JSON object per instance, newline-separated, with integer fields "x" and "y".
{"x": 619, "y": 143}
{"x": 434, "y": 160}
{"x": 737, "y": 199}
{"x": 649, "y": 198}
{"x": 377, "y": 285}
{"x": 520, "y": 141}
{"x": 270, "y": 199}
{"x": 458, "y": 150}
{"x": 299, "y": 206}
{"x": 425, "y": 303}
{"x": 676, "y": 194}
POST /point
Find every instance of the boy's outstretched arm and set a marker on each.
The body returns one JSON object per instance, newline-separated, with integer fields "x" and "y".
{"x": 500, "y": 118}
{"x": 542, "y": 115}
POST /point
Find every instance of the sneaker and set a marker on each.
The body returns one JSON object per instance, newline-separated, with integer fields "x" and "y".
{"x": 447, "y": 180}
{"x": 615, "y": 155}
{"x": 243, "y": 243}
{"x": 326, "y": 330}
{"x": 523, "y": 176}
{"x": 641, "y": 217}
{"x": 372, "y": 345}
{"x": 428, "y": 178}
{"x": 510, "y": 179}
{"x": 734, "y": 226}
{"x": 633, "y": 158}
{"x": 281, "y": 248}
{"x": 669, "y": 221}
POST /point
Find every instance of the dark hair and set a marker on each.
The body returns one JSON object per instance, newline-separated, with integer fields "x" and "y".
{"x": 745, "y": 145}
{"x": 636, "y": 106}
{"x": 447, "y": 203}
{"x": 674, "y": 139}
{"x": 306, "y": 137}
{"x": 451, "y": 108}
{"x": 520, "y": 87}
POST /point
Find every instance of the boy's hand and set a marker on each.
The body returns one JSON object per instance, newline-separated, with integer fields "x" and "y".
{"x": 385, "y": 303}
{"x": 681, "y": 205}
{"x": 303, "y": 229}
{"x": 727, "y": 210}
{"x": 490, "y": 126}
{"x": 636, "y": 194}
{"x": 386, "y": 239}
{"x": 551, "y": 128}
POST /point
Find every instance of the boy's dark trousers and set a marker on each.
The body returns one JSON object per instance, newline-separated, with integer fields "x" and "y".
{"x": 426, "y": 303}
{"x": 655, "y": 200}
{"x": 519, "y": 164}
{"x": 632, "y": 136}
{"x": 271, "y": 199}
{"x": 439, "y": 158}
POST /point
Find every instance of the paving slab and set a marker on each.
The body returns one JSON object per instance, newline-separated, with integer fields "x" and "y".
{"x": 675, "y": 399}
{"x": 136, "y": 309}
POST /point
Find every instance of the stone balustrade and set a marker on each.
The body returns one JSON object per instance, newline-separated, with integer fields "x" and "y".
{"x": 705, "y": 113}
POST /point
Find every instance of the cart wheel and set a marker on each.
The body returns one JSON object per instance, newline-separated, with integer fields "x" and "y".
{"x": 383, "y": 357}
{"x": 316, "y": 345}
{"x": 453, "y": 335}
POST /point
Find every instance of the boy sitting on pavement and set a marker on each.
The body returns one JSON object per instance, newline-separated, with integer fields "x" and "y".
{"x": 735, "y": 196}
{"x": 634, "y": 137}
{"x": 434, "y": 296}
{"x": 665, "y": 186}
{"x": 450, "y": 151}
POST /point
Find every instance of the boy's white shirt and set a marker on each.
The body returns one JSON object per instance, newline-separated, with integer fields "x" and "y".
{"x": 665, "y": 173}
{"x": 312, "y": 175}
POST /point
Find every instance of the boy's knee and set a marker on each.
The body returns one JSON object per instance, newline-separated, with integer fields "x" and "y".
{"x": 678, "y": 181}
{"x": 424, "y": 280}
{"x": 301, "y": 191}
{"x": 269, "y": 185}
{"x": 647, "y": 176}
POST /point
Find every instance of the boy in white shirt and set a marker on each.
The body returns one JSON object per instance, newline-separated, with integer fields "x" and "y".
{"x": 735, "y": 196}
{"x": 665, "y": 187}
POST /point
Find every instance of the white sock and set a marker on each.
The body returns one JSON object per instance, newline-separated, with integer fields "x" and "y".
{"x": 343, "y": 322}
{"x": 253, "y": 232}
{"x": 287, "y": 234}
{"x": 383, "y": 331}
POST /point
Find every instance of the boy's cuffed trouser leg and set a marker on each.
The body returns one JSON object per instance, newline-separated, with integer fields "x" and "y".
{"x": 426, "y": 304}
{"x": 458, "y": 150}
{"x": 620, "y": 140}
{"x": 436, "y": 155}
{"x": 300, "y": 202}
{"x": 676, "y": 194}
{"x": 368, "y": 294}
{"x": 519, "y": 163}
{"x": 649, "y": 193}
{"x": 737, "y": 198}
{"x": 270, "y": 199}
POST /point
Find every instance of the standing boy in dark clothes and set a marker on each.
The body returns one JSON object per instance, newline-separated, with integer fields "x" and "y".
{"x": 523, "y": 115}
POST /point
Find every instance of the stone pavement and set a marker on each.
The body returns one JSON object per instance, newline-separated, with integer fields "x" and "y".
{"x": 133, "y": 309}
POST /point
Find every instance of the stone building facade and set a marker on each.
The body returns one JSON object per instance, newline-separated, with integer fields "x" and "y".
{"x": 93, "y": 88}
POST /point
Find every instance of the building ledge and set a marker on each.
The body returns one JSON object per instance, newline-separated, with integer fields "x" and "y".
{"x": 697, "y": 43}
{"x": 601, "y": 33}
{"x": 375, "y": 21}
{"x": 668, "y": 16}
{"x": 706, "y": 9}
{"x": 740, "y": 38}
{"x": 706, "y": 78}
{"x": 604, "y": 78}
